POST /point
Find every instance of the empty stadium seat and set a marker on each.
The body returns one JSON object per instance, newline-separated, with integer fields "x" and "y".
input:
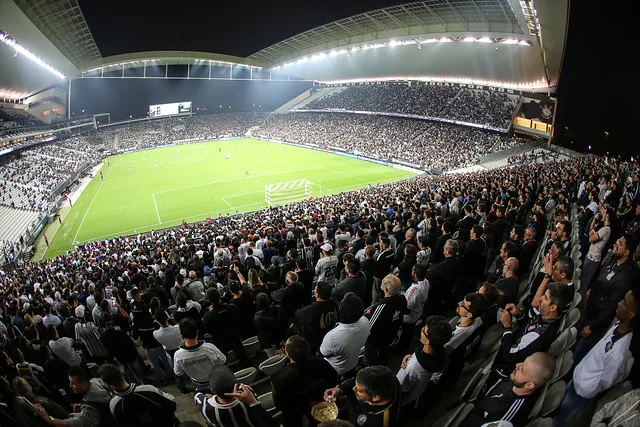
{"x": 266, "y": 400}
{"x": 554, "y": 396}
{"x": 541, "y": 422}
{"x": 571, "y": 318}
{"x": 251, "y": 346}
{"x": 273, "y": 364}
{"x": 563, "y": 365}
{"x": 246, "y": 376}
{"x": 563, "y": 342}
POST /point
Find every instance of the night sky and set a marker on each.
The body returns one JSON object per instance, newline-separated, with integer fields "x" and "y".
{"x": 591, "y": 98}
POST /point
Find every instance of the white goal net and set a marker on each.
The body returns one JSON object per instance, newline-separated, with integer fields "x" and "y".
{"x": 284, "y": 192}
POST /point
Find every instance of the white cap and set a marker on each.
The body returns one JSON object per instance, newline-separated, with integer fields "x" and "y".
{"x": 326, "y": 247}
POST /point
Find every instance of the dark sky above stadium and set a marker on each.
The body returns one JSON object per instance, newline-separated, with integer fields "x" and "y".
{"x": 591, "y": 93}
{"x": 230, "y": 27}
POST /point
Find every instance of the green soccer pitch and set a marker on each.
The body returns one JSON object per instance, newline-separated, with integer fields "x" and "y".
{"x": 191, "y": 182}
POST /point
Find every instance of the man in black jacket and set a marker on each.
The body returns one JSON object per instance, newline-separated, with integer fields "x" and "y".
{"x": 444, "y": 278}
{"x": 536, "y": 334}
{"x": 495, "y": 231}
{"x": 511, "y": 399}
{"x": 474, "y": 255}
{"x": 465, "y": 225}
{"x": 385, "y": 319}
{"x": 373, "y": 398}
{"x": 291, "y": 297}
{"x": 135, "y": 404}
{"x": 301, "y": 383}
{"x": 409, "y": 239}
{"x": 354, "y": 281}
{"x": 315, "y": 320}
{"x": 221, "y": 322}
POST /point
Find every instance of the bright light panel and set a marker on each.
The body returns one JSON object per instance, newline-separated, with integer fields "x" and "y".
{"x": 9, "y": 41}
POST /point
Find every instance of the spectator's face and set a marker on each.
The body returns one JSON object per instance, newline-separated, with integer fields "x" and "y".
{"x": 520, "y": 375}
{"x": 79, "y": 386}
{"x": 503, "y": 252}
{"x": 546, "y": 305}
{"x": 529, "y": 235}
{"x": 620, "y": 247}
{"x": 462, "y": 309}
{"x": 556, "y": 275}
{"x": 627, "y": 307}
{"x": 363, "y": 396}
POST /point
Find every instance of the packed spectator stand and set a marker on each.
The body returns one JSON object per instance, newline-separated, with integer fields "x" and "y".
{"x": 11, "y": 119}
{"x": 483, "y": 107}
{"x": 517, "y": 283}
{"x": 429, "y": 145}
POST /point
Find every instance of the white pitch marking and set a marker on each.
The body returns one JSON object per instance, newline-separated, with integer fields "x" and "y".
{"x": 156, "y": 205}
{"x": 75, "y": 239}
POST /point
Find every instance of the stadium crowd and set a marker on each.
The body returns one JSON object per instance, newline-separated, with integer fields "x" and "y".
{"x": 29, "y": 179}
{"x": 13, "y": 119}
{"x": 448, "y": 102}
{"x": 390, "y": 291}
{"x": 426, "y": 144}
{"x": 534, "y": 156}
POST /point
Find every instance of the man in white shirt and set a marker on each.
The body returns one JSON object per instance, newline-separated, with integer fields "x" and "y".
{"x": 63, "y": 348}
{"x": 327, "y": 265}
{"x": 341, "y": 345}
{"x": 416, "y": 296}
{"x": 416, "y": 368}
{"x": 608, "y": 362}
{"x": 195, "y": 359}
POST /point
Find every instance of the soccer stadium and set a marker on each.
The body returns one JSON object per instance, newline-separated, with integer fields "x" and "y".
{"x": 367, "y": 219}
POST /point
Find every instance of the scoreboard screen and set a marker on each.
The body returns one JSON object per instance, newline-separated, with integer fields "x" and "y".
{"x": 170, "y": 109}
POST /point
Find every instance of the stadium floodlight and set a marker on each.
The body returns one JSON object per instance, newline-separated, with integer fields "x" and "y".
{"x": 445, "y": 40}
{"x": 11, "y": 42}
{"x": 484, "y": 40}
{"x": 431, "y": 40}
{"x": 509, "y": 41}
{"x": 469, "y": 39}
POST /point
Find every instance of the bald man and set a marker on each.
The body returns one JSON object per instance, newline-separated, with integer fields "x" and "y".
{"x": 509, "y": 283}
{"x": 511, "y": 399}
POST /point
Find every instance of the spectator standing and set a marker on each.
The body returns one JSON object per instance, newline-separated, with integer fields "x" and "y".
{"x": 137, "y": 405}
{"x": 385, "y": 318}
{"x": 196, "y": 358}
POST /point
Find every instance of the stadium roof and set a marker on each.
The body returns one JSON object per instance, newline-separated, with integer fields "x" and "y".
{"x": 405, "y": 20}
{"x": 539, "y": 29}
{"x": 515, "y": 41}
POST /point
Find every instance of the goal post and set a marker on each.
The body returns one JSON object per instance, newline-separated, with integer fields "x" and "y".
{"x": 289, "y": 191}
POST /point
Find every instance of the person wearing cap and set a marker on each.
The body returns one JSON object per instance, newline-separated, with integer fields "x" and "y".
{"x": 327, "y": 265}
{"x": 341, "y": 345}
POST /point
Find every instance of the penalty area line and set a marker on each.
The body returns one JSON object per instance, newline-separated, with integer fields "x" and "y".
{"x": 156, "y": 205}
{"x": 75, "y": 238}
